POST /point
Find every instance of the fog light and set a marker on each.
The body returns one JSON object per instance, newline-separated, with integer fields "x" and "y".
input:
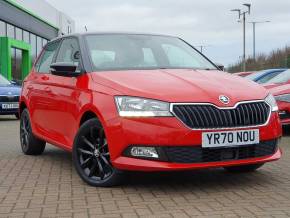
{"x": 144, "y": 152}
{"x": 282, "y": 112}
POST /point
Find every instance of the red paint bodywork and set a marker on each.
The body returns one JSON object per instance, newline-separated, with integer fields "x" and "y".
{"x": 243, "y": 74}
{"x": 57, "y": 104}
{"x": 281, "y": 89}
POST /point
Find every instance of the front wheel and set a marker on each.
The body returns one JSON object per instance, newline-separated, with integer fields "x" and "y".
{"x": 243, "y": 168}
{"x": 91, "y": 156}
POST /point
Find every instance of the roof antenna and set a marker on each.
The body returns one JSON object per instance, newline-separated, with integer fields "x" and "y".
{"x": 86, "y": 29}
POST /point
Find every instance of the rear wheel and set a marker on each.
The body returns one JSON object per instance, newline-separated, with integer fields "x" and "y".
{"x": 244, "y": 168}
{"x": 91, "y": 156}
{"x": 29, "y": 143}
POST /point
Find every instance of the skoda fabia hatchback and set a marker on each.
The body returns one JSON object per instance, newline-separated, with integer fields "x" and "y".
{"x": 139, "y": 102}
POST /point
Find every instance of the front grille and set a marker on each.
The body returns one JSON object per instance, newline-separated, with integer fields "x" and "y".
{"x": 9, "y": 98}
{"x": 210, "y": 117}
{"x": 191, "y": 154}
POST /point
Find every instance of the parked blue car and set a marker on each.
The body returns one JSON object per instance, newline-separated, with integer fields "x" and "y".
{"x": 265, "y": 75}
{"x": 9, "y": 97}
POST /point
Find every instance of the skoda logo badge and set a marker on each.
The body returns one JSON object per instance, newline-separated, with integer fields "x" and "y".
{"x": 224, "y": 99}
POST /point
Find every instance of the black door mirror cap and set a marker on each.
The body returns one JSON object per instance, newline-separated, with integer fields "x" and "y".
{"x": 66, "y": 69}
{"x": 220, "y": 66}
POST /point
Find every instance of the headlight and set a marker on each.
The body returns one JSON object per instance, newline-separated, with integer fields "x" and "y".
{"x": 285, "y": 98}
{"x": 141, "y": 107}
{"x": 272, "y": 102}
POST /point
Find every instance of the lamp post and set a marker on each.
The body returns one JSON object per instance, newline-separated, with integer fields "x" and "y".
{"x": 202, "y": 47}
{"x": 243, "y": 13}
{"x": 254, "y": 35}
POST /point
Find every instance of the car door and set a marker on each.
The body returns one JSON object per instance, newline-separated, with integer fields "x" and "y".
{"x": 39, "y": 104}
{"x": 63, "y": 94}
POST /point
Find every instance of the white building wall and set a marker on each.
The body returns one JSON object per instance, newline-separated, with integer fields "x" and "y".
{"x": 50, "y": 14}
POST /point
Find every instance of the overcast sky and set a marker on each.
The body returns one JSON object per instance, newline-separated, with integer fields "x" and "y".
{"x": 203, "y": 22}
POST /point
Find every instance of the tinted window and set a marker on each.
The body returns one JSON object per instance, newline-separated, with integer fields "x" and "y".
{"x": 254, "y": 76}
{"x": 281, "y": 78}
{"x": 129, "y": 51}
{"x": 69, "y": 51}
{"x": 266, "y": 78}
{"x": 43, "y": 65}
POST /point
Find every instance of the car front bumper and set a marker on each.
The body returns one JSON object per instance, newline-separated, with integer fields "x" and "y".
{"x": 170, "y": 132}
{"x": 8, "y": 111}
{"x": 126, "y": 163}
{"x": 284, "y": 112}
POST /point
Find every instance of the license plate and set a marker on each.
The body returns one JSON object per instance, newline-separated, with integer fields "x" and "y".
{"x": 230, "y": 138}
{"x": 10, "y": 106}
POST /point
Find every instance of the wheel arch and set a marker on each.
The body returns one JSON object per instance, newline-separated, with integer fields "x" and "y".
{"x": 87, "y": 116}
{"x": 22, "y": 107}
{"x": 90, "y": 112}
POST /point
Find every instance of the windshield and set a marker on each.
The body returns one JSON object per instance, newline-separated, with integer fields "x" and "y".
{"x": 268, "y": 76}
{"x": 253, "y": 76}
{"x": 281, "y": 78}
{"x": 128, "y": 52}
{"x": 3, "y": 81}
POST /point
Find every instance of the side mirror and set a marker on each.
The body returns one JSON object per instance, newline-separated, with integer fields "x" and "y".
{"x": 220, "y": 66}
{"x": 13, "y": 82}
{"x": 16, "y": 82}
{"x": 66, "y": 69}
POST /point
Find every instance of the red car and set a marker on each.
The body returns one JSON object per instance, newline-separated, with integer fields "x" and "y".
{"x": 243, "y": 74}
{"x": 140, "y": 102}
{"x": 279, "y": 86}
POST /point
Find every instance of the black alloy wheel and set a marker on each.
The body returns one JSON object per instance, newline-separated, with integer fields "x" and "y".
{"x": 30, "y": 145}
{"x": 91, "y": 156}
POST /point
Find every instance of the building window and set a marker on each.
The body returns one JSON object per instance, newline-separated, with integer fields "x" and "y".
{"x": 10, "y": 31}
{"x": 38, "y": 45}
{"x": 44, "y": 42}
{"x": 17, "y": 72}
{"x": 18, "y": 34}
{"x": 2, "y": 28}
{"x": 33, "y": 46}
{"x": 26, "y": 36}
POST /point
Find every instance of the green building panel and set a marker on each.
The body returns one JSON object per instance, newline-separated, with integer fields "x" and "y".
{"x": 6, "y": 44}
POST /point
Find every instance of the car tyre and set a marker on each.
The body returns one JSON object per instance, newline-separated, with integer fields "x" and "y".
{"x": 243, "y": 168}
{"x": 30, "y": 144}
{"x": 91, "y": 157}
{"x": 17, "y": 116}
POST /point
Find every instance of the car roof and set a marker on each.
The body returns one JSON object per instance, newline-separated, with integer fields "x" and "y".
{"x": 275, "y": 69}
{"x": 110, "y": 33}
